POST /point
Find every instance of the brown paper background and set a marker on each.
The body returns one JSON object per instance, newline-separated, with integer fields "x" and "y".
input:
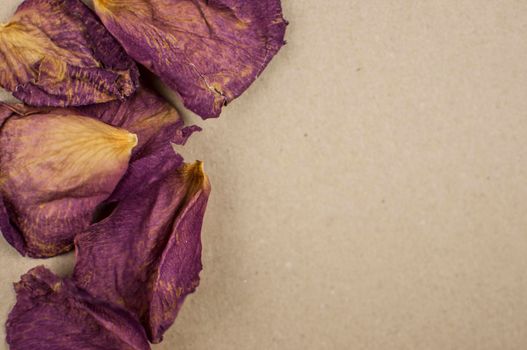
{"x": 369, "y": 190}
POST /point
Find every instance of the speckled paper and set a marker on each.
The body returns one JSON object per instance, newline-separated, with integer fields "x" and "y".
{"x": 368, "y": 189}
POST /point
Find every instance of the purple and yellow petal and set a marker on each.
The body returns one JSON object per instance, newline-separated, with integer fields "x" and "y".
{"x": 157, "y": 125}
{"x": 209, "y": 51}
{"x": 41, "y": 220}
{"x": 53, "y": 314}
{"x": 55, "y": 169}
{"x": 146, "y": 256}
{"x": 63, "y": 58}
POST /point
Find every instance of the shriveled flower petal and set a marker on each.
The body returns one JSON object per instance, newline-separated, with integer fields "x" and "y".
{"x": 146, "y": 256}
{"x": 209, "y": 51}
{"x": 54, "y": 171}
{"x": 57, "y": 53}
{"x": 157, "y": 125}
{"x": 53, "y": 314}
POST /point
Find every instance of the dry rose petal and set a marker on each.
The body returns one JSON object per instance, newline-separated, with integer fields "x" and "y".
{"x": 146, "y": 256}
{"x": 57, "y": 53}
{"x": 53, "y": 314}
{"x": 54, "y": 171}
{"x": 209, "y": 51}
{"x": 157, "y": 125}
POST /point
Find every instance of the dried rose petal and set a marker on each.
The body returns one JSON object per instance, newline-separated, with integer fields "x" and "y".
{"x": 209, "y": 51}
{"x": 157, "y": 125}
{"x": 53, "y": 314}
{"x": 57, "y": 53}
{"x": 146, "y": 256}
{"x": 54, "y": 171}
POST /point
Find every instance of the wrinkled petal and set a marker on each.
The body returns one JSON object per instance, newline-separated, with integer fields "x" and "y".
{"x": 146, "y": 256}
{"x": 53, "y": 314}
{"x": 209, "y": 51}
{"x": 157, "y": 125}
{"x": 55, "y": 169}
{"x": 57, "y": 53}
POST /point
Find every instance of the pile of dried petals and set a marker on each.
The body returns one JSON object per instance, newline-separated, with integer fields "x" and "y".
{"x": 87, "y": 163}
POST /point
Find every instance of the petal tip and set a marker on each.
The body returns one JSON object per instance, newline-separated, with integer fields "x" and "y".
{"x": 125, "y": 141}
{"x": 133, "y": 140}
{"x": 194, "y": 175}
{"x": 194, "y": 171}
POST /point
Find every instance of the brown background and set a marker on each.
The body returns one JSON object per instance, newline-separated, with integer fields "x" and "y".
{"x": 369, "y": 190}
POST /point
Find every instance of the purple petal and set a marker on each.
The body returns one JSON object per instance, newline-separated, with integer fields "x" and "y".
{"x": 208, "y": 51}
{"x": 56, "y": 169}
{"x": 157, "y": 125}
{"x": 146, "y": 256}
{"x": 57, "y": 53}
{"x": 53, "y": 314}
{"x": 41, "y": 221}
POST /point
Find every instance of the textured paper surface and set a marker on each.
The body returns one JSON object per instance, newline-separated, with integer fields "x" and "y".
{"x": 369, "y": 190}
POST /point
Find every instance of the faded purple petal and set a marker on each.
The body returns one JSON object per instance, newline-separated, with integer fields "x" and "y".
{"x": 49, "y": 230}
{"x": 209, "y": 51}
{"x": 53, "y": 314}
{"x": 55, "y": 170}
{"x": 146, "y": 256}
{"x": 57, "y": 53}
{"x": 157, "y": 125}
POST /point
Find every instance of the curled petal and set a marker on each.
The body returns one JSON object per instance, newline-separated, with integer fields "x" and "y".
{"x": 55, "y": 169}
{"x": 146, "y": 256}
{"x": 53, "y": 314}
{"x": 157, "y": 125}
{"x": 147, "y": 115}
{"x": 57, "y": 53}
{"x": 209, "y": 51}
